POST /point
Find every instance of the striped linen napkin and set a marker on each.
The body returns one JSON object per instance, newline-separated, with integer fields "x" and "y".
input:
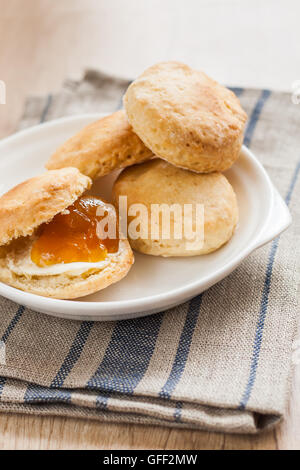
{"x": 221, "y": 362}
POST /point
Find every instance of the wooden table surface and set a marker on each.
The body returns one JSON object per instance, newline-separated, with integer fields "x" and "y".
{"x": 241, "y": 43}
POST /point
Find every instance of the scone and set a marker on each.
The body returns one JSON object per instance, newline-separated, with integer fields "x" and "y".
{"x": 157, "y": 184}
{"x": 101, "y": 147}
{"x": 186, "y": 118}
{"x": 50, "y": 244}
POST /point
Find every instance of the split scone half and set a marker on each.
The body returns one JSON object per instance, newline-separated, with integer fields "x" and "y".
{"x": 101, "y": 147}
{"x": 50, "y": 244}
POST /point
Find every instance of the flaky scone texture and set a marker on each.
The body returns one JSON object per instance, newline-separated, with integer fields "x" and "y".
{"x": 101, "y": 147}
{"x": 186, "y": 118}
{"x": 65, "y": 286}
{"x": 38, "y": 200}
{"x": 158, "y": 182}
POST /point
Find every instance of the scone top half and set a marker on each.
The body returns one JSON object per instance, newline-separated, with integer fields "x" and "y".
{"x": 185, "y": 117}
{"x": 38, "y": 200}
{"x": 32, "y": 218}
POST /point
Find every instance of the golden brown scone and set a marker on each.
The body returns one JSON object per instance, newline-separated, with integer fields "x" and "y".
{"x": 22, "y": 211}
{"x": 158, "y": 182}
{"x": 186, "y": 118}
{"x": 101, "y": 147}
{"x": 38, "y": 200}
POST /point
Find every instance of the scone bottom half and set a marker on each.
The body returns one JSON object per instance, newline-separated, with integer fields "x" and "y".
{"x": 50, "y": 240}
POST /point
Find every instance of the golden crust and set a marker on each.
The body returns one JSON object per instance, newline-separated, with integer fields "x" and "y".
{"x": 66, "y": 286}
{"x": 38, "y": 200}
{"x": 101, "y": 147}
{"x": 185, "y": 117}
{"x": 158, "y": 182}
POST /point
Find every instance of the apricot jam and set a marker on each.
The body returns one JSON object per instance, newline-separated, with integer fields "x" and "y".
{"x": 72, "y": 235}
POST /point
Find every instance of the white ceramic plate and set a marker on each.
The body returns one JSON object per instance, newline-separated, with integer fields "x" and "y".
{"x": 153, "y": 284}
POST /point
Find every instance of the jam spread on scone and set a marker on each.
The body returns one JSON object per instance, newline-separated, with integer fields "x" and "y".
{"x": 72, "y": 236}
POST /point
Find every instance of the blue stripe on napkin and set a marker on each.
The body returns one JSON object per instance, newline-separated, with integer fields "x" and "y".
{"x": 46, "y": 109}
{"x": 265, "y": 94}
{"x": 236, "y": 90}
{"x": 178, "y": 411}
{"x": 73, "y": 355}
{"x": 183, "y": 348}
{"x": 38, "y": 394}
{"x": 101, "y": 400}
{"x": 264, "y": 304}
{"x": 128, "y": 355}
{"x": 2, "y": 384}
{"x": 13, "y": 324}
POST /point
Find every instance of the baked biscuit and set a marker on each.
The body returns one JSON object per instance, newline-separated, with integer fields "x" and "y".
{"x": 101, "y": 147}
{"x": 186, "y": 118}
{"x": 49, "y": 244}
{"x": 38, "y": 200}
{"x": 157, "y": 182}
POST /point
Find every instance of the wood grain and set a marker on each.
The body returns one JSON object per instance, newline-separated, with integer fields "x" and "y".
{"x": 42, "y": 42}
{"x": 28, "y": 432}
